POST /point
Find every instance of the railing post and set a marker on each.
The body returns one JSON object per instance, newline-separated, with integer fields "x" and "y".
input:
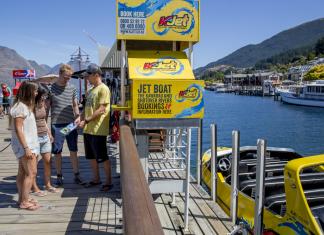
{"x": 199, "y": 151}
{"x": 123, "y": 76}
{"x": 235, "y": 174}
{"x": 187, "y": 180}
{"x": 259, "y": 196}
{"x": 213, "y": 129}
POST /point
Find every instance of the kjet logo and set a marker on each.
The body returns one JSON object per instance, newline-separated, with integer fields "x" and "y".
{"x": 163, "y": 65}
{"x": 189, "y": 93}
{"x": 174, "y": 21}
{"x": 181, "y": 21}
{"x": 167, "y": 65}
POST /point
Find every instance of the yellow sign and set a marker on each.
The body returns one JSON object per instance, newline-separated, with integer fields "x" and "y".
{"x": 159, "y": 65}
{"x": 170, "y": 20}
{"x": 167, "y": 99}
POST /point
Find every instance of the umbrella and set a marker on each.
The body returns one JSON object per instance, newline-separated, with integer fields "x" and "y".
{"x": 48, "y": 79}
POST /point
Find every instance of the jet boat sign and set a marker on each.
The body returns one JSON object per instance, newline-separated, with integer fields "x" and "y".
{"x": 24, "y": 74}
{"x": 173, "y": 20}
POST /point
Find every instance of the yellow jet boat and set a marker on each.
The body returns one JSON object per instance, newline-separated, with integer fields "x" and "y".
{"x": 294, "y": 189}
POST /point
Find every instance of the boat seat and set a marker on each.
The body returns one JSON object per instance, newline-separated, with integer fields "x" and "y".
{"x": 248, "y": 175}
{"x": 276, "y": 181}
{"x": 318, "y": 213}
{"x": 313, "y": 194}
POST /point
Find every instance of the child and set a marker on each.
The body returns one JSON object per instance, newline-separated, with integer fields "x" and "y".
{"x": 25, "y": 143}
{"x": 45, "y": 138}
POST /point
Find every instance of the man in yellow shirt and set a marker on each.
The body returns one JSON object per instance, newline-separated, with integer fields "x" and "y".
{"x": 96, "y": 126}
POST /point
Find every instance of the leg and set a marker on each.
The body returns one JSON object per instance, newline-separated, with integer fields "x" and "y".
{"x": 107, "y": 168}
{"x": 58, "y": 163}
{"x": 47, "y": 169}
{"x": 30, "y": 170}
{"x": 35, "y": 187}
{"x": 74, "y": 161}
{"x": 57, "y": 148}
{"x": 20, "y": 179}
{"x": 72, "y": 142}
{"x": 95, "y": 171}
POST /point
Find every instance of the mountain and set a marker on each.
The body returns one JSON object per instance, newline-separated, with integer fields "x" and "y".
{"x": 300, "y": 36}
{"x": 10, "y": 60}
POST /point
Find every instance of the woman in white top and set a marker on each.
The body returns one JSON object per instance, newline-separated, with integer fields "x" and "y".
{"x": 25, "y": 143}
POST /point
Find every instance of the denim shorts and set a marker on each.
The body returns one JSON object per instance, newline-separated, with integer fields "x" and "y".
{"x": 71, "y": 139}
{"x": 45, "y": 145}
{"x": 19, "y": 151}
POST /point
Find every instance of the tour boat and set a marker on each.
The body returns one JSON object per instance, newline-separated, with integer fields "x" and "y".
{"x": 311, "y": 94}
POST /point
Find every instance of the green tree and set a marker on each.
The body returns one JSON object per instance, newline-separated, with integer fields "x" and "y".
{"x": 315, "y": 73}
{"x": 319, "y": 47}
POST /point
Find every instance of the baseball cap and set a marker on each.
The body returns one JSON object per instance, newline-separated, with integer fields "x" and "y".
{"x": 93, "y": 69}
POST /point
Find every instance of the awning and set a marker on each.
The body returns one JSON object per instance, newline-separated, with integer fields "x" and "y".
{"x": 159, "y": 65}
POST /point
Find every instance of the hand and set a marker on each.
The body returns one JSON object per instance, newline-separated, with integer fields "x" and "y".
{"x": 28, "y": 153}
{"x": 77, "y": 121}
{"x": 82, "y": 124}
{"x": 51, "y": 138}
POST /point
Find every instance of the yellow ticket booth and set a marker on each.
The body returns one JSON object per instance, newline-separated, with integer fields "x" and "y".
{"x": 152, "y": 36}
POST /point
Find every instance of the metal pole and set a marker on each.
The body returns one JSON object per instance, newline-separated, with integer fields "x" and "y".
{"x": 213, "y": 129}
{"x": 199, "y": 151}
{"x": 187, "y": 179}
{"x": 259, "y": 197}
{"x": 123, "y": 75}
{"x": 235, "y": 174}
{"x": 191, "y": 54}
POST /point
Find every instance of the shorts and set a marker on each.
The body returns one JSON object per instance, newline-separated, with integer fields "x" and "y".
{"x": 45, "y": 145}
{"x": 95, "y": 147}
{"x": 71, "y": 139}
{"x": 19, "y": 151}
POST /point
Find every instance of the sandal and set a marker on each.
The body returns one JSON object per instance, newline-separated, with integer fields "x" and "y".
{"x": 39, "y": 193}
{"x": 52, "y": 190}
{"x": 92, "y": 184}
{"x": 28, "y": 206}
{"x": 106, "y": 187}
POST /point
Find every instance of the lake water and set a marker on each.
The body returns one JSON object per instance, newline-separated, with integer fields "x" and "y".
{"x": 282, "y": 125}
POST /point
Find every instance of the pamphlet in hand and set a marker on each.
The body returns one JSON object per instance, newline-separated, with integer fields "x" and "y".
{"x": 66, "y": 130}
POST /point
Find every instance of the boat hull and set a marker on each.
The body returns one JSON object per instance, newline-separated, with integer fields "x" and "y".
{"x": 291, "y": 99}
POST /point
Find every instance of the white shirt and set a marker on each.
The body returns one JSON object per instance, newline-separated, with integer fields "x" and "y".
{"x": 29, "y": 130}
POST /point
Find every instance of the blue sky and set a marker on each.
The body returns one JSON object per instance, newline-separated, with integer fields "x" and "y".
{"x": 49, "y": 31}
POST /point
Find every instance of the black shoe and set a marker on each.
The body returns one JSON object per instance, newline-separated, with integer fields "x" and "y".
{"x": 78, "y": 180}
{"x": 59, "y": 180}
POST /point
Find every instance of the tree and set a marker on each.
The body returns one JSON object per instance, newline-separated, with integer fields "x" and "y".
{"x": 315, "y": 73}
{"x": 319, "y": 47}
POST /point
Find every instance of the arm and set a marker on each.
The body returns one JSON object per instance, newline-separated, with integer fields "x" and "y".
{"x": 18, "y": 122}
{"x": 97, "y": 113}
{"x": 76, "y": 111}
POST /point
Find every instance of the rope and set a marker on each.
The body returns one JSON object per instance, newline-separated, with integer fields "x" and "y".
{"x": 5, "y": 148}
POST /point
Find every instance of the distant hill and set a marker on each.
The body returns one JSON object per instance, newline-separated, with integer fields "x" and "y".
{"x": 300, "y": 36}
{"x": 10, "y": 60}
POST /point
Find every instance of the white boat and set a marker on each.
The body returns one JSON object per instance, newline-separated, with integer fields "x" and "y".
{"x": 220, "y": 88}
{"x": 311, "y": 94}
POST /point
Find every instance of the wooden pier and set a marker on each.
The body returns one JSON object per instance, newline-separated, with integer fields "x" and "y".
{"x": 79, "y": 210}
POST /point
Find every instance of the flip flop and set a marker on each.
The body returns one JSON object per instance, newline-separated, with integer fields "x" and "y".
{"x": 52, "y": 190}
{"x": 106, "y": 187}
{"x": 92, "y": 184}
{"x": 28, "y": 206}
{"x": 39, "y": 193}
